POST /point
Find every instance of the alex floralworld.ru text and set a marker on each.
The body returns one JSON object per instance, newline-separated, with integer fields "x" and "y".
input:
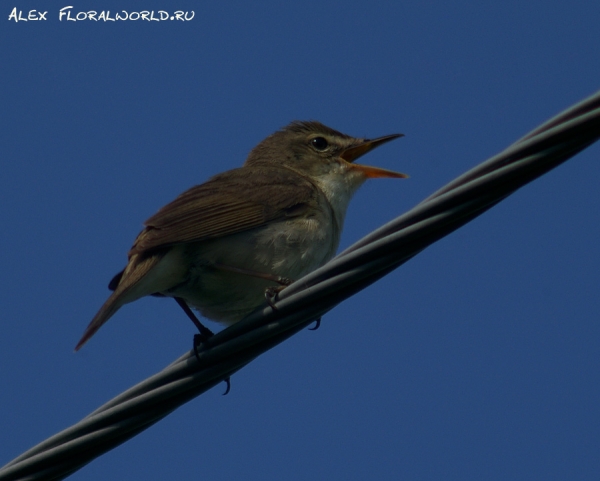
{"x": 67, "y": 14}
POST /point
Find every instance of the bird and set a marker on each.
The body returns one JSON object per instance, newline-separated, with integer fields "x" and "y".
{"x": 226, "y": 246}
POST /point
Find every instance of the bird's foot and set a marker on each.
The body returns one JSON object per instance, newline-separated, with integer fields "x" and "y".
{"x": 316, "y": 326}
{"x": 271, "y": 294}
{"x": 198, "y": 340}
{"x": 204, "y": 335}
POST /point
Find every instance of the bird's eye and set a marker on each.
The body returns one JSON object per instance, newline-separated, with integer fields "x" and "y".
{"x": 319, "y": 143}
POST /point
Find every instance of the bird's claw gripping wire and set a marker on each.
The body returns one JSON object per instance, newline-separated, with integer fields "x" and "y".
{"x": 204, "y": 335}
{"x": 316, "y": 326}
{"x": 271, "y": 295}
{"x": 272, "y": 292}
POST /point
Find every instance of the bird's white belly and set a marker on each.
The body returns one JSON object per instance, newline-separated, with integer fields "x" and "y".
{"x": 289, "y": 249}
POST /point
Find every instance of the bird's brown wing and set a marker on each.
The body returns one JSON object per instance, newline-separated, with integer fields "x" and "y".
{"x": 231, "y": 202}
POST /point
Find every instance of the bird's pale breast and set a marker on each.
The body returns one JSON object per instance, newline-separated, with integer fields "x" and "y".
{"x": 290, "y": 248}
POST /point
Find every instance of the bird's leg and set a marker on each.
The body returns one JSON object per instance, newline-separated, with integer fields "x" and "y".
{"x": 205, "y": 333}
{"x": 284, "y": 281}
{"x": 270, "y": 292}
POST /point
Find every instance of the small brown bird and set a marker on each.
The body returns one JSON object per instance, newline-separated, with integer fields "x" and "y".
{"x": 221, "y": 246}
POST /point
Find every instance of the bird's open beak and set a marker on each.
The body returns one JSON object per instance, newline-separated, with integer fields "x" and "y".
{"x": 353, "y": 153}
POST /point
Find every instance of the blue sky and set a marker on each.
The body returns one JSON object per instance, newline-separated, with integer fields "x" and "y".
{"x": 478, "y": 359}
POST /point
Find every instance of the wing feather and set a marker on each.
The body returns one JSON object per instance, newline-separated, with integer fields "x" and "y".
{"x": 231, "y": 202}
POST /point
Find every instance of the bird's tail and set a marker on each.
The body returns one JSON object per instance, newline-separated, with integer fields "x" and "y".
{"x": 112, "y": 305}
{"x": 127, "y": 288}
